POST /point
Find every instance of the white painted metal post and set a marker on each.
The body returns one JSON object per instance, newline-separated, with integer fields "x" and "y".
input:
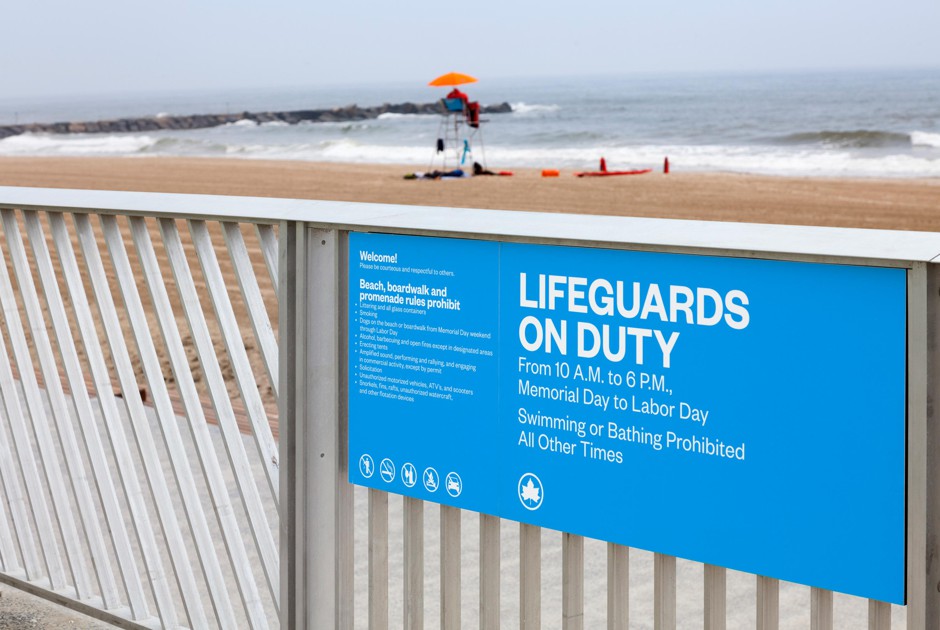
{"x": 932, "y": 465}
{"x": 292, "y": 303}
{"x": 345, "y": 499}
{"x": 923, "y": 440}
{"x": 320, "y": 531}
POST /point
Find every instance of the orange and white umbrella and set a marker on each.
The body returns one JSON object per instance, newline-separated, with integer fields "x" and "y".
{"x": 452, "y": 78}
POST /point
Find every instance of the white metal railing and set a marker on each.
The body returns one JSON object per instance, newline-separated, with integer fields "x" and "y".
{"x": 136, "y": 514}
{"x": 182, "y": 507}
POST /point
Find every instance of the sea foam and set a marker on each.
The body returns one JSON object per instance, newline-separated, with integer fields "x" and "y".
{"x": 533, "y": 108}
{"x": 925, "y": 139}
{"x": 77, "y": 144}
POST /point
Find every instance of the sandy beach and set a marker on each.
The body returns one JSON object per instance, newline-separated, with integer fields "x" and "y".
{"x": 897, "y": 204}
{"x": 887, "y": 204}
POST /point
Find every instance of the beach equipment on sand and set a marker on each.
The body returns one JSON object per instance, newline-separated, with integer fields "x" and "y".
{"x": 479, "y": 170}
{"x": 639, "y": 171}
{"x": 603, "y": 172}
{"x": 452, "y": 78}
{"x": 666, "y": 166}
{"x": 460, "y": 125}
{"x": 550, "y": 172}
{"x": 454, "y": 174}
{"x": 466, "y": 150}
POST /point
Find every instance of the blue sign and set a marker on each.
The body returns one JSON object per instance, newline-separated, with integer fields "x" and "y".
{"x": 744, "y": 413}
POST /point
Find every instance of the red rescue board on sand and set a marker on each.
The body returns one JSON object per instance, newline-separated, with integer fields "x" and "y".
{"x": 612, "y": 173}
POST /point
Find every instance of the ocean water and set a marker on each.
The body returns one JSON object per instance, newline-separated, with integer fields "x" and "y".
{"x": 853, "y": 124}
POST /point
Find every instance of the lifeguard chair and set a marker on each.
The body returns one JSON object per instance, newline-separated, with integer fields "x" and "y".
{"x": 460, "y": 128}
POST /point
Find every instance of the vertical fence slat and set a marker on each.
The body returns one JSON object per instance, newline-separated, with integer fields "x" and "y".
{"x": 101, "y": 469}
{"x": 715, "y": 597}
{"x": 140, "y": 425}
{"x": 414, "y": 564}
{"x": 205, "y": 452}
{"x": 254, "y": 302}
{"x": 234, "y": 446}
{"x": 923, "y": 446}
{"x": 530, "y": 577}
{"x": 291, "y": 408}
{"x": 16, "y": 499}
{"x": 59, "y": 413}
{"x": 768, "y": 603}
{"x": 8, "y": 560}
{"x": 931, "y": 577}
{"x": 9, "y": 391}
{"x": 270, "y": 250}
{"x": 664, "y": 592}
{"x": 879, "y": 615}
{"x": 235, "y": 345}
{"x": 345, "y": 499}
{"x": 139, "y": 511}
{"x": 572, "y": 572}
{"x": 618, "y": 587}
{"x": 450, "y": 568}
{"x": 378, "y": 560}
{"x": 820, "y": 609}
{"x": 490, "y": 548}
{"x": 123, "y": 367}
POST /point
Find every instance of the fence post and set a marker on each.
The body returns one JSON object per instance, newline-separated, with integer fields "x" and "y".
{"x": 290, "y": 310}
{"x": 923, "y": 442}
{"x": 316, "y": 530}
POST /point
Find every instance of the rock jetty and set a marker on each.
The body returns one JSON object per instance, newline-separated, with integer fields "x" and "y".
{"x": 203, "y": 121}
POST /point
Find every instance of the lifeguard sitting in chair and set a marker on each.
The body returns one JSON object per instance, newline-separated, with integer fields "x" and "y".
{"x": 457, "y": 101}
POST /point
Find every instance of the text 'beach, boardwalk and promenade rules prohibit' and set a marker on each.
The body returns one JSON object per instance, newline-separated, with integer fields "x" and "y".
{"x": 740, "y": 412}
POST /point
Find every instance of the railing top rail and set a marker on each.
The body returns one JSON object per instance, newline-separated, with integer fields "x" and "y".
{"x": 744, "y": 239}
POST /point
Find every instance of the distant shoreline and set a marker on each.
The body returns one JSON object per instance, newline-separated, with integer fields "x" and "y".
{"x": 908, "y": 204}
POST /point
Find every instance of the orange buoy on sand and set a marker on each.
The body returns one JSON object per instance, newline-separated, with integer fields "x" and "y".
{"x": 550, "y": 172}
{"x": 666, "y": 166}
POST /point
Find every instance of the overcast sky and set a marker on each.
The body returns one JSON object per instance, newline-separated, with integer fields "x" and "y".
{"x": 113, "y": 46}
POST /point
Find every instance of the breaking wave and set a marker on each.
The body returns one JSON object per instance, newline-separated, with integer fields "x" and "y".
{"x": 78, "y": 144}
{"x": 858, "y": 139}
{"x": 574, "y": 152}
{"x": 925, "y": 139}
{"x": 396, "y": 115}
{"x": 534, "y": 108}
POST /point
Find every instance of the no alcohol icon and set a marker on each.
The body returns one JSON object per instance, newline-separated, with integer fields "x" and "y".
{"x": 409, "y": 475}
